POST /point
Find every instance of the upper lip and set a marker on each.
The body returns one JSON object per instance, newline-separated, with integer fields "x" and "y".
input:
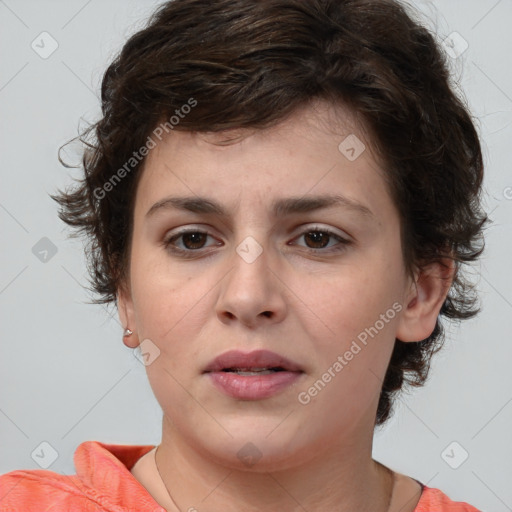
{"x": 249, "y": 360}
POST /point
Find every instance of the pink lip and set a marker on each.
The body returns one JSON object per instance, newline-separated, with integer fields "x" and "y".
{"x": 252, "y": 387}
{"x": 255, "y": 359}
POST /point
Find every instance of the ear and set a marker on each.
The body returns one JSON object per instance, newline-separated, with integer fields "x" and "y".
{"x": 127, "y": 316}
{"x": 426, "y": 295}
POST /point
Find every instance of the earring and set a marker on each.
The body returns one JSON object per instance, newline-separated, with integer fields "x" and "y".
{"x": 127, "y": 332}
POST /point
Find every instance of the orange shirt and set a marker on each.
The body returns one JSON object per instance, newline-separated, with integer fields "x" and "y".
{"x": 103, "y": 483}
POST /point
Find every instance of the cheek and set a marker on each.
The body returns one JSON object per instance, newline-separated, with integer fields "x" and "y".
{"x": 170, "y": 304}
{"x": 351, "y": 298}
{"x": 352, "y": 335}
{"x": 355, "y": 310}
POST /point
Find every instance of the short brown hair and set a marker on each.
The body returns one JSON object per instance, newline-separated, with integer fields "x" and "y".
{"x": 250, "y": 64}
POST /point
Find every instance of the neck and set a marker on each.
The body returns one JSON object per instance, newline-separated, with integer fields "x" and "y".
{"x": 343, "y": 478}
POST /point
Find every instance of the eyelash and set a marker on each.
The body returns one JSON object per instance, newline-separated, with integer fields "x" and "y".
{"x": 189, "y": 253}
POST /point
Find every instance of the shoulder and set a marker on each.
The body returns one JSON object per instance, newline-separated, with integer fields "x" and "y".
{"x": 37, "y": 489}
{"x": 434, "y": 500}
{"x": 102, "y": 482}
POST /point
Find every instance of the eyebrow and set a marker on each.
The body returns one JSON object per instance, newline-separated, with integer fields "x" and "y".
{"x": 280, "y": 207}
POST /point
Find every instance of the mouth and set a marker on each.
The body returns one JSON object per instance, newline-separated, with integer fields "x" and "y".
{"x": 258, "y": 362}
{"x": 255, "y": 375}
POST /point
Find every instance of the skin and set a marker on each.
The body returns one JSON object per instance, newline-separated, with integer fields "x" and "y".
{"x": 317, "y": 456}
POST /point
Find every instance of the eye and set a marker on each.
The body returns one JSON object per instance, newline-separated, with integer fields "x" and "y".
{"x": 319, "y": 237}
{"x": 192, "y": 240}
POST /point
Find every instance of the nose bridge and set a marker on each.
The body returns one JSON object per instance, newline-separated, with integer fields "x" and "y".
{"x": 250, "y": 275}
{"x": 251, "y": 255}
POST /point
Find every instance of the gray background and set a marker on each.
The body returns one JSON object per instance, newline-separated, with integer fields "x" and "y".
{"x": 65, "y": 375}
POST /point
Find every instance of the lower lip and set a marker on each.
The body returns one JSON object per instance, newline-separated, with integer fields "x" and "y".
{"x": 253, "y": 387}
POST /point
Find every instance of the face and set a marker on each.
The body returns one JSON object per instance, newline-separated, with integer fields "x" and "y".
{"x": 323, "y": 286}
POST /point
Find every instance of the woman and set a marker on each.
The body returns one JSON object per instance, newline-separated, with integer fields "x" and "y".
{"x": 280, "y": 197}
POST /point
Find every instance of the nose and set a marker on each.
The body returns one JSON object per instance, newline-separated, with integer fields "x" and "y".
{"x": 251, "y": 292}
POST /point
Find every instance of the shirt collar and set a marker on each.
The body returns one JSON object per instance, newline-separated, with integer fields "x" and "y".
{"x": 105, "y": 468}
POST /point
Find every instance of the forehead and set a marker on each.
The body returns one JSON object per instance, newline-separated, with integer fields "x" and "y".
{"x": 320, "y": 148}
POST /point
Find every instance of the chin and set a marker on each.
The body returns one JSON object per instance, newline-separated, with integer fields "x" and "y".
{"x": 258, "y": 449}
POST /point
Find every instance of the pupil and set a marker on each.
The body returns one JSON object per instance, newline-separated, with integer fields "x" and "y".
{"x": 195, "y": 238}
{"x": 318, "y": 236}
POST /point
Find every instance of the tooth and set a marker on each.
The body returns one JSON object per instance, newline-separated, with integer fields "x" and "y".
{"x": 247, "y": 369}
{"x": 258, "y": 372}
{"x": 253, "y": 371}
